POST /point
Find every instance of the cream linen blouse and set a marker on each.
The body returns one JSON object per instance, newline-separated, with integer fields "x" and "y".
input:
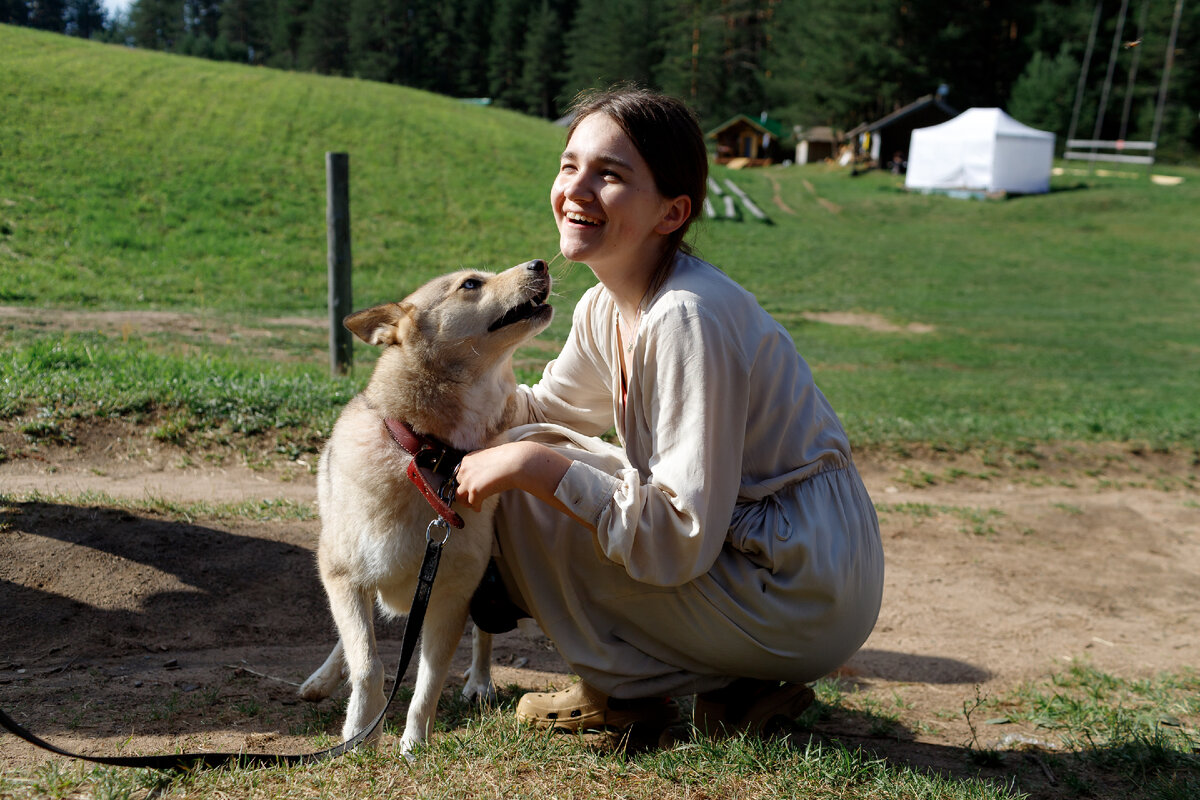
{"x": 721, "y": 410}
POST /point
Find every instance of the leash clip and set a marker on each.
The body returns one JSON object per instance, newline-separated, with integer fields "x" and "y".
{"x": 438, "y": 522}
{"x": 446, "y": 494}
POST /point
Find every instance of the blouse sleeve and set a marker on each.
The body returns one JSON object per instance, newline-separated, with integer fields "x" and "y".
{"x": 667, "y": 526}
{"x": 574, "y": 390}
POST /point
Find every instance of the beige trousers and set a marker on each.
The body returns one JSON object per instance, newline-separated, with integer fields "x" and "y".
{"x": 794, "y": 593}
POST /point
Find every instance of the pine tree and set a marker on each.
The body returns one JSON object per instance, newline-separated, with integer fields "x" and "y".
{"x": 439, "y": 29}
{"x": 324, "y": 44}
{"x": 976, "y": 47}
{"x": 1044, "y": 94}
{"x": 13, "y": 12}
{"x": 686, "y": 69}
{"x": 837, "y": 62}
{"x": 471, "y": 61}
{"x": 373, "y": 37}
{"x": 287, "y": 31}
{"x": 715, "y": 54}
{"x": 540, "y": 56}
{"x": 156, "y": 24}
{"x": 504, "y": 54}
{"x": 84, "y": 18}
{"x": 48, "y": 15}
{"x": 610, "y": 42}
{"x": 244, "y": 29}
{"x": 427, "y": 52}
{"x": 202, "y": 18}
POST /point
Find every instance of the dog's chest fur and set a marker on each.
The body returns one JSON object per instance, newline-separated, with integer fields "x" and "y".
{"x": 382, "y": 539}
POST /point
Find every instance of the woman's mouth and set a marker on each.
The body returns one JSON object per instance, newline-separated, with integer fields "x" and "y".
{"x": 582, "y": 219}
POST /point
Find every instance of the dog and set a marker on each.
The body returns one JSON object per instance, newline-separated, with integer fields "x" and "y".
{"x": 445, "y": 375}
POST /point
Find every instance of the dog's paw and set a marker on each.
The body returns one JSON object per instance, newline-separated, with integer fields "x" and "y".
{"x": 479, "y": 689}
{"x": 318, "y": 687}
{"x": 407, "y": 746}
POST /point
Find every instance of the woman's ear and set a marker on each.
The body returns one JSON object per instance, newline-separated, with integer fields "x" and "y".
{"x": 677, "y": 212}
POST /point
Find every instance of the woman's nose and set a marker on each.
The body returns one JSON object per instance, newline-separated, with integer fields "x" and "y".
{"x": 575, "y": 187}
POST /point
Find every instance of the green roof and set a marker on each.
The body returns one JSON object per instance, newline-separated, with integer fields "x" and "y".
{"x": 772, "y": 126}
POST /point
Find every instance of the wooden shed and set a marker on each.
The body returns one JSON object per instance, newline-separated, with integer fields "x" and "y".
{"x": 816, "y": 144}
{"x": 881, "y": 141}
{"x": 749, "y": 142}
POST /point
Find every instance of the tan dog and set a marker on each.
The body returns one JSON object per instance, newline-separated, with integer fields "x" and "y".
{"x": 446, "y": 373}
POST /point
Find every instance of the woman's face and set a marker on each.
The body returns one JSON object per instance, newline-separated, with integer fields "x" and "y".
{"x": 606, "y": 204}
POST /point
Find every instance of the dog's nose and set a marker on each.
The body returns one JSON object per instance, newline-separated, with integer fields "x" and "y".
{"x": 537, "y": 265}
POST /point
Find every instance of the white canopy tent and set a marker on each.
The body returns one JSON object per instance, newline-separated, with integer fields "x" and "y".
{"x": 981, "y": 149}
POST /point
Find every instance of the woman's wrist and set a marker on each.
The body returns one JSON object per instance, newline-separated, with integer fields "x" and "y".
{"x": 541, "y": 469}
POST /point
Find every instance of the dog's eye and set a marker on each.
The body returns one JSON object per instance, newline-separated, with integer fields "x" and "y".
{"x": 471, "y": 284}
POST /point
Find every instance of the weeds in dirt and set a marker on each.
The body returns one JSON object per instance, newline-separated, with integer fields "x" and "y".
{"x": 978, "y": 753}
{"x": 917, "y": 479}
{"x": 978, "y": 521}
{"x": 255, "y": 510}
{"x": 45, "y": 430}
{"x": 53, "y": 381}
{"x": 1143, "y": 734}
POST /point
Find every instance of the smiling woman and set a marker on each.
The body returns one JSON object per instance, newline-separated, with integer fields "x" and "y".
{"x": 726, "y": 546}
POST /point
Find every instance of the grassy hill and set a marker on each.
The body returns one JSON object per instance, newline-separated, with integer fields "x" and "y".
{"x": 138, "y": 179}
{"x": 133, "y": 180}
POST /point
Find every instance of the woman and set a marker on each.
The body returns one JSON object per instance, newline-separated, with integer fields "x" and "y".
{"x": 727, "y": 546}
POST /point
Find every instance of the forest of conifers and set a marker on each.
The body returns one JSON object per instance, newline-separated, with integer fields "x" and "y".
{"x": 804, "y": 62}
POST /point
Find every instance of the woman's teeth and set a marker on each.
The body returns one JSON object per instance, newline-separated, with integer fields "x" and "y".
{"x": 582, "y": 218}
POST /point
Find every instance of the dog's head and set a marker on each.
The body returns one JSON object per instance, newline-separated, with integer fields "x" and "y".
{"x": 468, "y": 315}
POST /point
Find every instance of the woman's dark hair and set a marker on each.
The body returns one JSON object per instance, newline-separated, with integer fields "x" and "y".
{"x": 667, "y": 135}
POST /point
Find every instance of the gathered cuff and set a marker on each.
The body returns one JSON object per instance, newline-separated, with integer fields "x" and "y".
{"x": 586, "y": 491}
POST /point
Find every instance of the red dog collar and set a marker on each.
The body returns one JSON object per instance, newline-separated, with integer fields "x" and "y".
{"x": 431, "y": 458}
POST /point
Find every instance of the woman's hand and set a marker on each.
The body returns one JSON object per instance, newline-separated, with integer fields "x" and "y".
{"x": 527, "y": 466}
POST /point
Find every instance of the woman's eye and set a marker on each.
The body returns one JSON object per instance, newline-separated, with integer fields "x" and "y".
{"x": 471, "y": 284}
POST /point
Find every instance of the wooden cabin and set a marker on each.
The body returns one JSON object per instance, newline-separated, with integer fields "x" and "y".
{"x": 744, "y": 141}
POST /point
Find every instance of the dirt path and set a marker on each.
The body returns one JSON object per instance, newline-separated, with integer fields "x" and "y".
{"x": 128, "y": 623}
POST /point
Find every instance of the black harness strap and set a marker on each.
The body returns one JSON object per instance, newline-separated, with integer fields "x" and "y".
{"x": 187, "y": 761}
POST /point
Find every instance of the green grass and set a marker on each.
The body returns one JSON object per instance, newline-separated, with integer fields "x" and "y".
{"x": 84, "y": 374}
{"x": 135, "y": 180}
{"x": 491, "y": 756}
{"x": 256, "y": 510}
{"x": 139, "y": 181}
{"x": 1097, "y": 736}
{"x": 1065, "y": 316}
{"x": 1141, "y": 734}
{"x": 130, "y": 179}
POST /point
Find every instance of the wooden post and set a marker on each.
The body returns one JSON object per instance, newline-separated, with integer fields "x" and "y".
{"x": 337, "y": 224}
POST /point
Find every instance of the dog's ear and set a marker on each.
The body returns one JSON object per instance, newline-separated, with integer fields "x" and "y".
{"x": 382, "y": 325}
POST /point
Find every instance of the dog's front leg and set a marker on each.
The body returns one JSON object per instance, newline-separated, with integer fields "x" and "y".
{"x": 478, "y": 677}
{"x": 353, "y": 611}
{"x": 442, "y": 631}
{"x": 327, "y": 678}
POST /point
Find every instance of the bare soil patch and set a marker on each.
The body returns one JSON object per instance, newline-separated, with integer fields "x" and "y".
{"x": 143, "y": 631}
{"x": 872, "y": 322}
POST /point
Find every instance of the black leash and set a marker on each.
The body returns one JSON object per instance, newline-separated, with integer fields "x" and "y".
{"x": 186, "y": 761}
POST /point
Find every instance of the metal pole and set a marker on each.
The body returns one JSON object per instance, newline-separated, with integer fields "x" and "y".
{"x": 1166, "y": 78}
{"x": 1133, "y": 68}
{"x": 1112, "y": 65}
{"x": 1083, "y": 71}
{"x": 337, "y": 225}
